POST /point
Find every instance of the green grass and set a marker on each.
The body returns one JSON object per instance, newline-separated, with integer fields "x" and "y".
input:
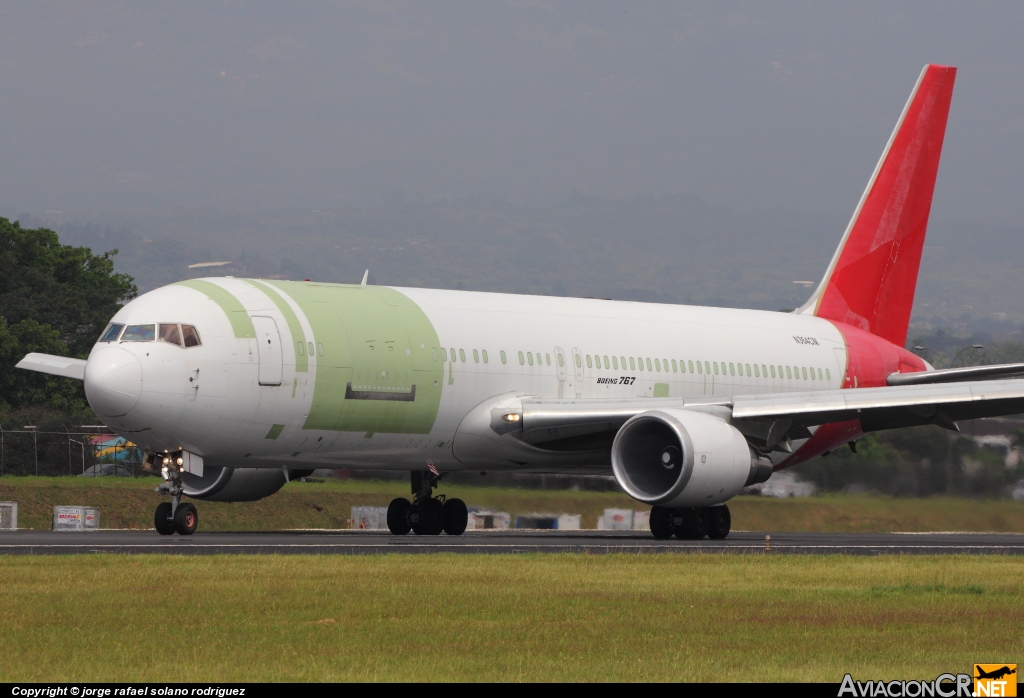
{"x": 129, "y": 503}
{"x": 510, "y": 617}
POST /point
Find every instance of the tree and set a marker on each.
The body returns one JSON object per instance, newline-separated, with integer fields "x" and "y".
{"x": 54, "y": 299}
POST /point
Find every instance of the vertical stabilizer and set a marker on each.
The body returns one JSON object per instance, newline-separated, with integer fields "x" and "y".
{"x": 871, "y": 281}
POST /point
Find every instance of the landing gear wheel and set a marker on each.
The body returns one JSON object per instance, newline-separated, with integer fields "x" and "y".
{"x": 691, "y": 524}
{"x": 719, "y": 522}
{"x": 398, "y": 516}
{"x": 186, "y": 519}
{"x": 661, "y": 522}
{"x": 427, "y": 517}
{"x": 454, "y": 517}
{"x": 162, "y": 519}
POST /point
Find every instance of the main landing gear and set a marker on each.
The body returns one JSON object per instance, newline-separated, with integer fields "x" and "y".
{"x": 173, "y": 516}
{"x": 691, "y": 523}
{"x": 427, "y": 515}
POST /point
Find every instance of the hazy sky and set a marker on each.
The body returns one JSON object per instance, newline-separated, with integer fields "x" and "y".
{"x": 112, "y": 107}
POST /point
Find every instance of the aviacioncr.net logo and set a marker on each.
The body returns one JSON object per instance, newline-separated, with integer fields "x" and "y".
{"x": 942, "y": 686}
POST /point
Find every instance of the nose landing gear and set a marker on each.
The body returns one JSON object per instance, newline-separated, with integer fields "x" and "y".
{"x": 427, "y": 515}
{"x": 691, "y": 523}
{"x": 173, "y": 516}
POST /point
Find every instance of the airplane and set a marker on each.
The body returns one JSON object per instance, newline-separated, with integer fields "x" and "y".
{"x": 235, "y": 386}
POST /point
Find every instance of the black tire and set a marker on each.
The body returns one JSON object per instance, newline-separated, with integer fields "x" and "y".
{"x": 661, "y": 522}
{"x": 719, "y": 522}
{"x": 427, "y": 517}
{"x": 454, "y": 517}
{"x": 162, "y": 519}
{"x": 690, "y": 524}
{"x": 186, "y": 520}
{"x": 398, "y": 516}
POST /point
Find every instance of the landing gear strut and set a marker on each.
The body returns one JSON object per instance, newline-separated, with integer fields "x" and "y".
{"x": 173, "y": 515}
{"x": 427, "y": 515}
{"x": 691, "y": 523}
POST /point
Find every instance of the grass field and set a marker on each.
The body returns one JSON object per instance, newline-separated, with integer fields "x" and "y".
{"x": 129, "y": 503}
{"x": 524, "y": 617}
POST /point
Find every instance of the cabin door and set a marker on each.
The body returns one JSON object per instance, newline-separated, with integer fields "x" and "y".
{"x": 268, "y": 343}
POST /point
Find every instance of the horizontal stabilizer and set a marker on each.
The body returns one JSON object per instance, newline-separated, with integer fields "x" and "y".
{"x": 55, "y": 365}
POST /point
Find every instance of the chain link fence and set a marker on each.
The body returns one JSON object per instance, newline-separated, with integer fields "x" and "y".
{"x": 36, "y": 451}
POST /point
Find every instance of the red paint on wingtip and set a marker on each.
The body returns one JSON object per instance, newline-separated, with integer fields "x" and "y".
{"x": 873, "y": 283}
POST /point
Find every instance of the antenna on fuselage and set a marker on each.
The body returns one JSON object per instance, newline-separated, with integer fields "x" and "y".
{"x": 366, "y": 277}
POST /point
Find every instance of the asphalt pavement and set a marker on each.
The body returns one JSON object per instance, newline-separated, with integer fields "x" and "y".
{"x": 515, "y": 541}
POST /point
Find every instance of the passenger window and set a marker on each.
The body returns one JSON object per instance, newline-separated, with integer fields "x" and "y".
{"x": 820, "y": 377}
{"x": 606, "y": 363}
{"x": 590, "y": 364}
{"x": 433, "y": 350}
{"x": 301, "y": 349}
{"x": 485, "y": 355}
{"x": 789, "y": 372}
{"x": 632, "y": 363}
{"x": 689, "y": 365}
{"x": 732, "y": 370}
{"x": 707, "y": 367}
{"x": 773, "y": 371}
{"x": 664, "y": 362}
{"x": 462, "y": 355}
{"x": 444, "y": 354}
{"x": 813, "y": 377}
{"x": 615, "y": 362}
{"x": 804, "y": 371}
{"x": 579, "y": 362}
{"x": 657, "y": 365}
{"x": 561, "y": 361}
{"x": 674, "y": 366}
{"x": 453, "y": 354}
{"x": 748, "y": 371}
{"x": 139, "y": 333}
{"x": 310, "y": 348}
{"x": 169, "y": 334}
{"x": 547, "y": 359}
{"x": 648, "y": 364}
{"x": 476, "y": 356}
{"x": 764, "y": 370}
{"x": 780, "y": 371}
{"x": 502, "y": 356}
{"x": 319, "y": 348}
{"x": 622, "y": 360}
{"x": 529, "y": 358}
{"x": 828, "y": 374}
{"x": 522, "y": 359}
{"x": 757, "y": 374}
{"x": 715, "y": 364}
{"x": 110, "y": 335}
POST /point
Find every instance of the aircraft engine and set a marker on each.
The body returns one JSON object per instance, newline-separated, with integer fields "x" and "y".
{"x": 237, "y": 484}
{"x": 683, "y": 458}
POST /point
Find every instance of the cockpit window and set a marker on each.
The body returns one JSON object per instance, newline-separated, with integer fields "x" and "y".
{"x": 170, "y": 334}
{"x": 139, "y": 333}
{"x": 110, "y": 334}
{"x": 191, "y": 336}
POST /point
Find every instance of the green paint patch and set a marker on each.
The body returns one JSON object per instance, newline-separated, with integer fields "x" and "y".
{"x": 241, "y": 323}
{"x": 294, "y": 326}
{"x": 275, "y": 431}
{"x": 661, "y": 390}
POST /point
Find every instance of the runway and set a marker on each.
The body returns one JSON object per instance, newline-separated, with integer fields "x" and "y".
{"x": 517, "y": 541}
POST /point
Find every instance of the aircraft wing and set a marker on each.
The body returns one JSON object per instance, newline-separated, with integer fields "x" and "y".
{"x": 55, "y": 365}
{"x": 767, "y": 419}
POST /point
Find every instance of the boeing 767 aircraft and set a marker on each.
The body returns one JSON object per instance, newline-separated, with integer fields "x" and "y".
{"x": 234, "y": 386}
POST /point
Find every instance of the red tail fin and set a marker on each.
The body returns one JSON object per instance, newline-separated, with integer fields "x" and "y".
{"x": 871, "y": 281}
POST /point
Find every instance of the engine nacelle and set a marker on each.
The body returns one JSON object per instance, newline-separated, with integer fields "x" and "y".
{"x": 682, "y": 458}
{"x": 237, "y": 484}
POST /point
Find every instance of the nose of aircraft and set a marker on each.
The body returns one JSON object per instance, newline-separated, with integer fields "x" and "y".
{"x": 113, "y": 381}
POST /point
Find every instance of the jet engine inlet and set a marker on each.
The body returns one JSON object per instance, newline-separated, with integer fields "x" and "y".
{"x": 234, "y": 484}
{"x": 681, "y": 458}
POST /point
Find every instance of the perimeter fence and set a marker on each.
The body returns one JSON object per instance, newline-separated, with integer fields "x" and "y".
{"x": 31, "y": 451}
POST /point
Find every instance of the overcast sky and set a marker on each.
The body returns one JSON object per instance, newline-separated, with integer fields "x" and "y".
{"x": 110, "y": 107}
